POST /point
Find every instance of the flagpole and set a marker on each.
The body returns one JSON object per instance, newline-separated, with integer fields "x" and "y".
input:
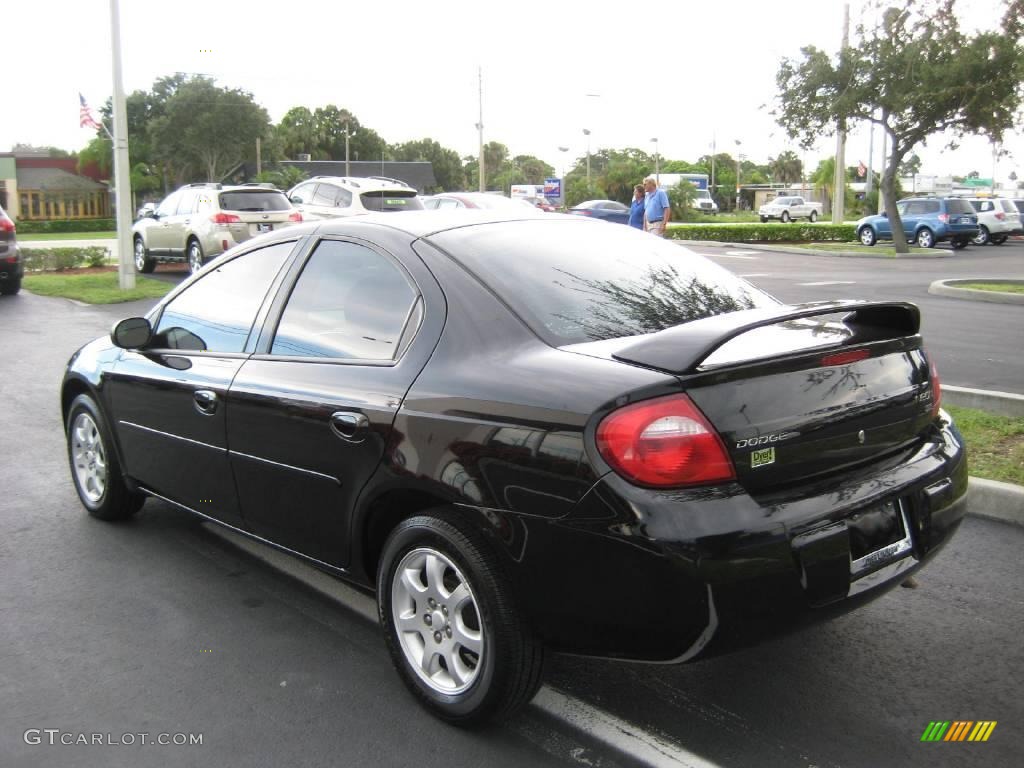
{"x": 122, "y": 182}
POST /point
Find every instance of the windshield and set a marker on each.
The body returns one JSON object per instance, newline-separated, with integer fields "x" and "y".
{"x": 577, "y": 281}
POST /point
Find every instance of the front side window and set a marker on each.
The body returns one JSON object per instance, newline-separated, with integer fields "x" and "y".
{"x": 169, "y": 205}
{"x": 350, "y": 302}
{"x": 216, "y": 313}
{"x": 303, "y": 193}
{"x": 186, "y": 203}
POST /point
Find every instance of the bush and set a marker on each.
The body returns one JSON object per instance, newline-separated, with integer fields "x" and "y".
{"x": 70, "y": 225}
{"x": 764, "y": 233}
{"x": 61, "y": 259}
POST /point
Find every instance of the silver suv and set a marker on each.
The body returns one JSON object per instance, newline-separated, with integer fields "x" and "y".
{"x": 200, "y": 221}
{"x": 329, "y": 197}
{"x": 997, "y": 219}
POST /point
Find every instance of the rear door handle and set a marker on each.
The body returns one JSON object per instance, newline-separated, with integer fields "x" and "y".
{"x": 206, "y": 401}
{"x": 350, "y": 425}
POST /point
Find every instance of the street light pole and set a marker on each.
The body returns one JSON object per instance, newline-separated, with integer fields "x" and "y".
{"x": 738, "y": 157}
{"x": 122, "y": 178}
{"x": 480, "y": 127}
{"x": 586, "y": 132}
{"x": 348, "y": 172}
{"x": 657, "y": 172}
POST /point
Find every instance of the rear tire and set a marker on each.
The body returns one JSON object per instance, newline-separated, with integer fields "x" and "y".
{"x": 784, "y": 217}
{"x": 94, "y": 465}
{"x": 813, "y": 217}
{"x": 999, "y": 239}
{"x": 143, "y": 262}
{"x": 764, "y": 219}
{"x": 925, "y": 238}
{"x": 982, "y": 237}
{"x": 867, "y": 236}
{"x": 959, "y": 243}
{"x": 195, "y": 256}
{"x": 456, "y": 637}
{"x": 10, "y": 287}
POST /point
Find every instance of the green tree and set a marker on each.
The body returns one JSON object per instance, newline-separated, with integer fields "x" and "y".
{"x": 915, "y": 74}
{"x": 910, "y": 166}
{"x": 299, "y": 134}
{"x": 787, "y": 168}
{"x": 681, "y": 198}
{"x": 209, "y": 129}
{"x": 447, "y": 166}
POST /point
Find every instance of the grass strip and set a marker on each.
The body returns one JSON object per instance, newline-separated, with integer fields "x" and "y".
{"x": 995, "y": 444}
{"x": 28, "y": 238}
{"x": 999, "y": 287}
{"x": 94, "y": 288}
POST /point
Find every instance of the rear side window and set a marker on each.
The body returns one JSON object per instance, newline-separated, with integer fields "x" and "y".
{"x": 257, "y": 200}
{"x": 573, "y": 282}
{"x": 350, "y": 302}
{"x": 401, "y": 200}
{"x": 1007, "y": 206}
{"x": 932, "y": 206}
{"x": 954, "y": 205}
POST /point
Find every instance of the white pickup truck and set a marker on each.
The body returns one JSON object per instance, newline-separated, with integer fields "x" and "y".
{"x": 788, "y": 208}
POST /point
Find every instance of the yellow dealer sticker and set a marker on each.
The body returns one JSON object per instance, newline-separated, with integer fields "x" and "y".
{"x": 762, "y": 457}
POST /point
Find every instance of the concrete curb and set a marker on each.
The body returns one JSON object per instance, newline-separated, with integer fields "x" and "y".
{"x": 996, "y": 501}
{"x": 952, "y": 289}
{"x": 936, "y": 254}
{"x": 1000, "y": 403}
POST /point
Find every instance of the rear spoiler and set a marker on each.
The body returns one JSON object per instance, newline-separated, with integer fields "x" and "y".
{"x": 682, "y": 348}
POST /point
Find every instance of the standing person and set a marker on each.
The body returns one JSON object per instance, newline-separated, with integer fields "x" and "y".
{"x": 656, "y": 208}
{"x": 636, "y": 208}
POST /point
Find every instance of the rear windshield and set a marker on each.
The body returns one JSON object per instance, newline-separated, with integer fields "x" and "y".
{"x": 392, "y": 201}
{"x": 256, "y": 200}
{"x": 574, "y": 282}
{"x": 958, "y": 206}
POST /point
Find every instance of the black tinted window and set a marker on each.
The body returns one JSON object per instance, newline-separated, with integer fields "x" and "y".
{"x": 958, "y": 206}
{"x": 350, "y": 302}
{"x": 257, "y": 200}
{"x": 391, "y": 201}
{"x": 216, "y": 312}
{"x": 574, "y": 282}
{"x": 932, "y": 206}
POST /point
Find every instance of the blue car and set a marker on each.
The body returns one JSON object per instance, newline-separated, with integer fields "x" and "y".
{"x": 609, "y": 210}
{"x": 926, "y": 221}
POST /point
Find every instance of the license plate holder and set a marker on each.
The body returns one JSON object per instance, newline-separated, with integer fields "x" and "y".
{"x": 879, "y": 534}
{"x": 264, "y": 227}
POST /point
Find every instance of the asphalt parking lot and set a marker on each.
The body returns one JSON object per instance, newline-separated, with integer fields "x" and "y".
{"x": 160, "y": 626}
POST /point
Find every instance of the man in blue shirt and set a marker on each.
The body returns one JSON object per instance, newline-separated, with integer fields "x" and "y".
{"x": 657, "y": 211}
{"x": 636, "y": 208}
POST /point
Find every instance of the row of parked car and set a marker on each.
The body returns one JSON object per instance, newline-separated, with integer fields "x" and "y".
{"x": 961, "y": 221}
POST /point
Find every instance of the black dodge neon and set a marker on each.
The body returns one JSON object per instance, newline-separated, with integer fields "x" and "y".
{"x": 528, "y": 434}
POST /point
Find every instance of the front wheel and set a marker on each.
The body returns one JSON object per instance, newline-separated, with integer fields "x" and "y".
{"x": 94, "y": 465}
{"x": 785, "y": 217}
{"x": 982, "y": 237}
{"x": 764, "y": 219}
{"x": 452, "y": 627}
{"x": 925, "y": 238}
{"x": 867, "y": 236}
{"x": 143, "y": 263}
{"x": 10, "y": 287}
{"x": 813, "y": 217}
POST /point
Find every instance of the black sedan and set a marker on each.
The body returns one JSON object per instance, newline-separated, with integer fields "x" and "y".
{"x": 528, "y": 434}
{"x": 606, "y": 210}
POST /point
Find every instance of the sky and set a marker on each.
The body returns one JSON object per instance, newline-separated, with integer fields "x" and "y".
{"x": 689, "y": 73}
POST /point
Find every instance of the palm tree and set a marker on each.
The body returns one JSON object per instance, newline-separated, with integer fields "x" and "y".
{"x": 787, "y": 167}
{"x": 824, "y": 180}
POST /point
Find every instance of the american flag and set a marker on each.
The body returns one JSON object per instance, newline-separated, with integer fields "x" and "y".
{"x": 85, "y": 118}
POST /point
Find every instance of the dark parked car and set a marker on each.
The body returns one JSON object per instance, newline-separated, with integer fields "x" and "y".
{"x": 12, "y": 268}
{"x": 926, "y": 221}
{"x": 528, "y": 433}
{"x": 607, "y": 210}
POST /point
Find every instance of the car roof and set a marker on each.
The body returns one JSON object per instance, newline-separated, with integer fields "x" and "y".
{"x": 363, "y": 183}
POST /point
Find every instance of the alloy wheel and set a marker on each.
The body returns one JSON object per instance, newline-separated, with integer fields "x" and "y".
{"x": 89, "y": 457}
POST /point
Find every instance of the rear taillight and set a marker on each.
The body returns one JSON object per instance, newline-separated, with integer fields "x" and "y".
{"x": 225, "y": 218}
{"x": 6, "y": 225}
{"x": 664, "y": 443}
{"x": 583, "y": 212}
{"x": 944, "y": 217}
{"x": 296, "y": 216}
{"x": 1001, "y": 216}
{"x": 933, "y": 376}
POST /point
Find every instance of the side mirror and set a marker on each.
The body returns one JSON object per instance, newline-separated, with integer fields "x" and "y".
{"x": 132, "y": 333}
{"x": 152, "y": 214}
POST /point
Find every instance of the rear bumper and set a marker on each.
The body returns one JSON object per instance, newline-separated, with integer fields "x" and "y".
{"x": 668, "y": 576}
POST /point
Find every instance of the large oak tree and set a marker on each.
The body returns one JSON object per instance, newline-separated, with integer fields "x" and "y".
{"x": 915, "y": 74}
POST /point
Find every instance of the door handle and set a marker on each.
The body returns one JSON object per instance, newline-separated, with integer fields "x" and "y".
{"x": 206, "y": 401}
{"x": 350, "y": 425}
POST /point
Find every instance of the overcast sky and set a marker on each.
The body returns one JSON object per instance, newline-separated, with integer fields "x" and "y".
{"x": 683, "y": 71}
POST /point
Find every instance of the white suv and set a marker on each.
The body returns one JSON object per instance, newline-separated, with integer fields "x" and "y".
{"x": 328, "y": 197}
{"x": 996, "y": 221}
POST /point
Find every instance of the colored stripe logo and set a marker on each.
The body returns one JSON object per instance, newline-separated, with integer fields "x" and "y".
{"x": 958, "y": 730}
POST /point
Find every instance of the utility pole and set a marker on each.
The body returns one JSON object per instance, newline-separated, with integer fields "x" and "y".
{"x": 657, "y": 173}
{"x": 259, "y": 157}
{"x": 480, "y": 126}
{"x": 712, "y": 165}
{"x": 348, "y": 171}
{"x": 871, "y": 153}
{"x": 586, "y": 132}
{"x": 122, "y": 182}
{"x": 839, "y": 178}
